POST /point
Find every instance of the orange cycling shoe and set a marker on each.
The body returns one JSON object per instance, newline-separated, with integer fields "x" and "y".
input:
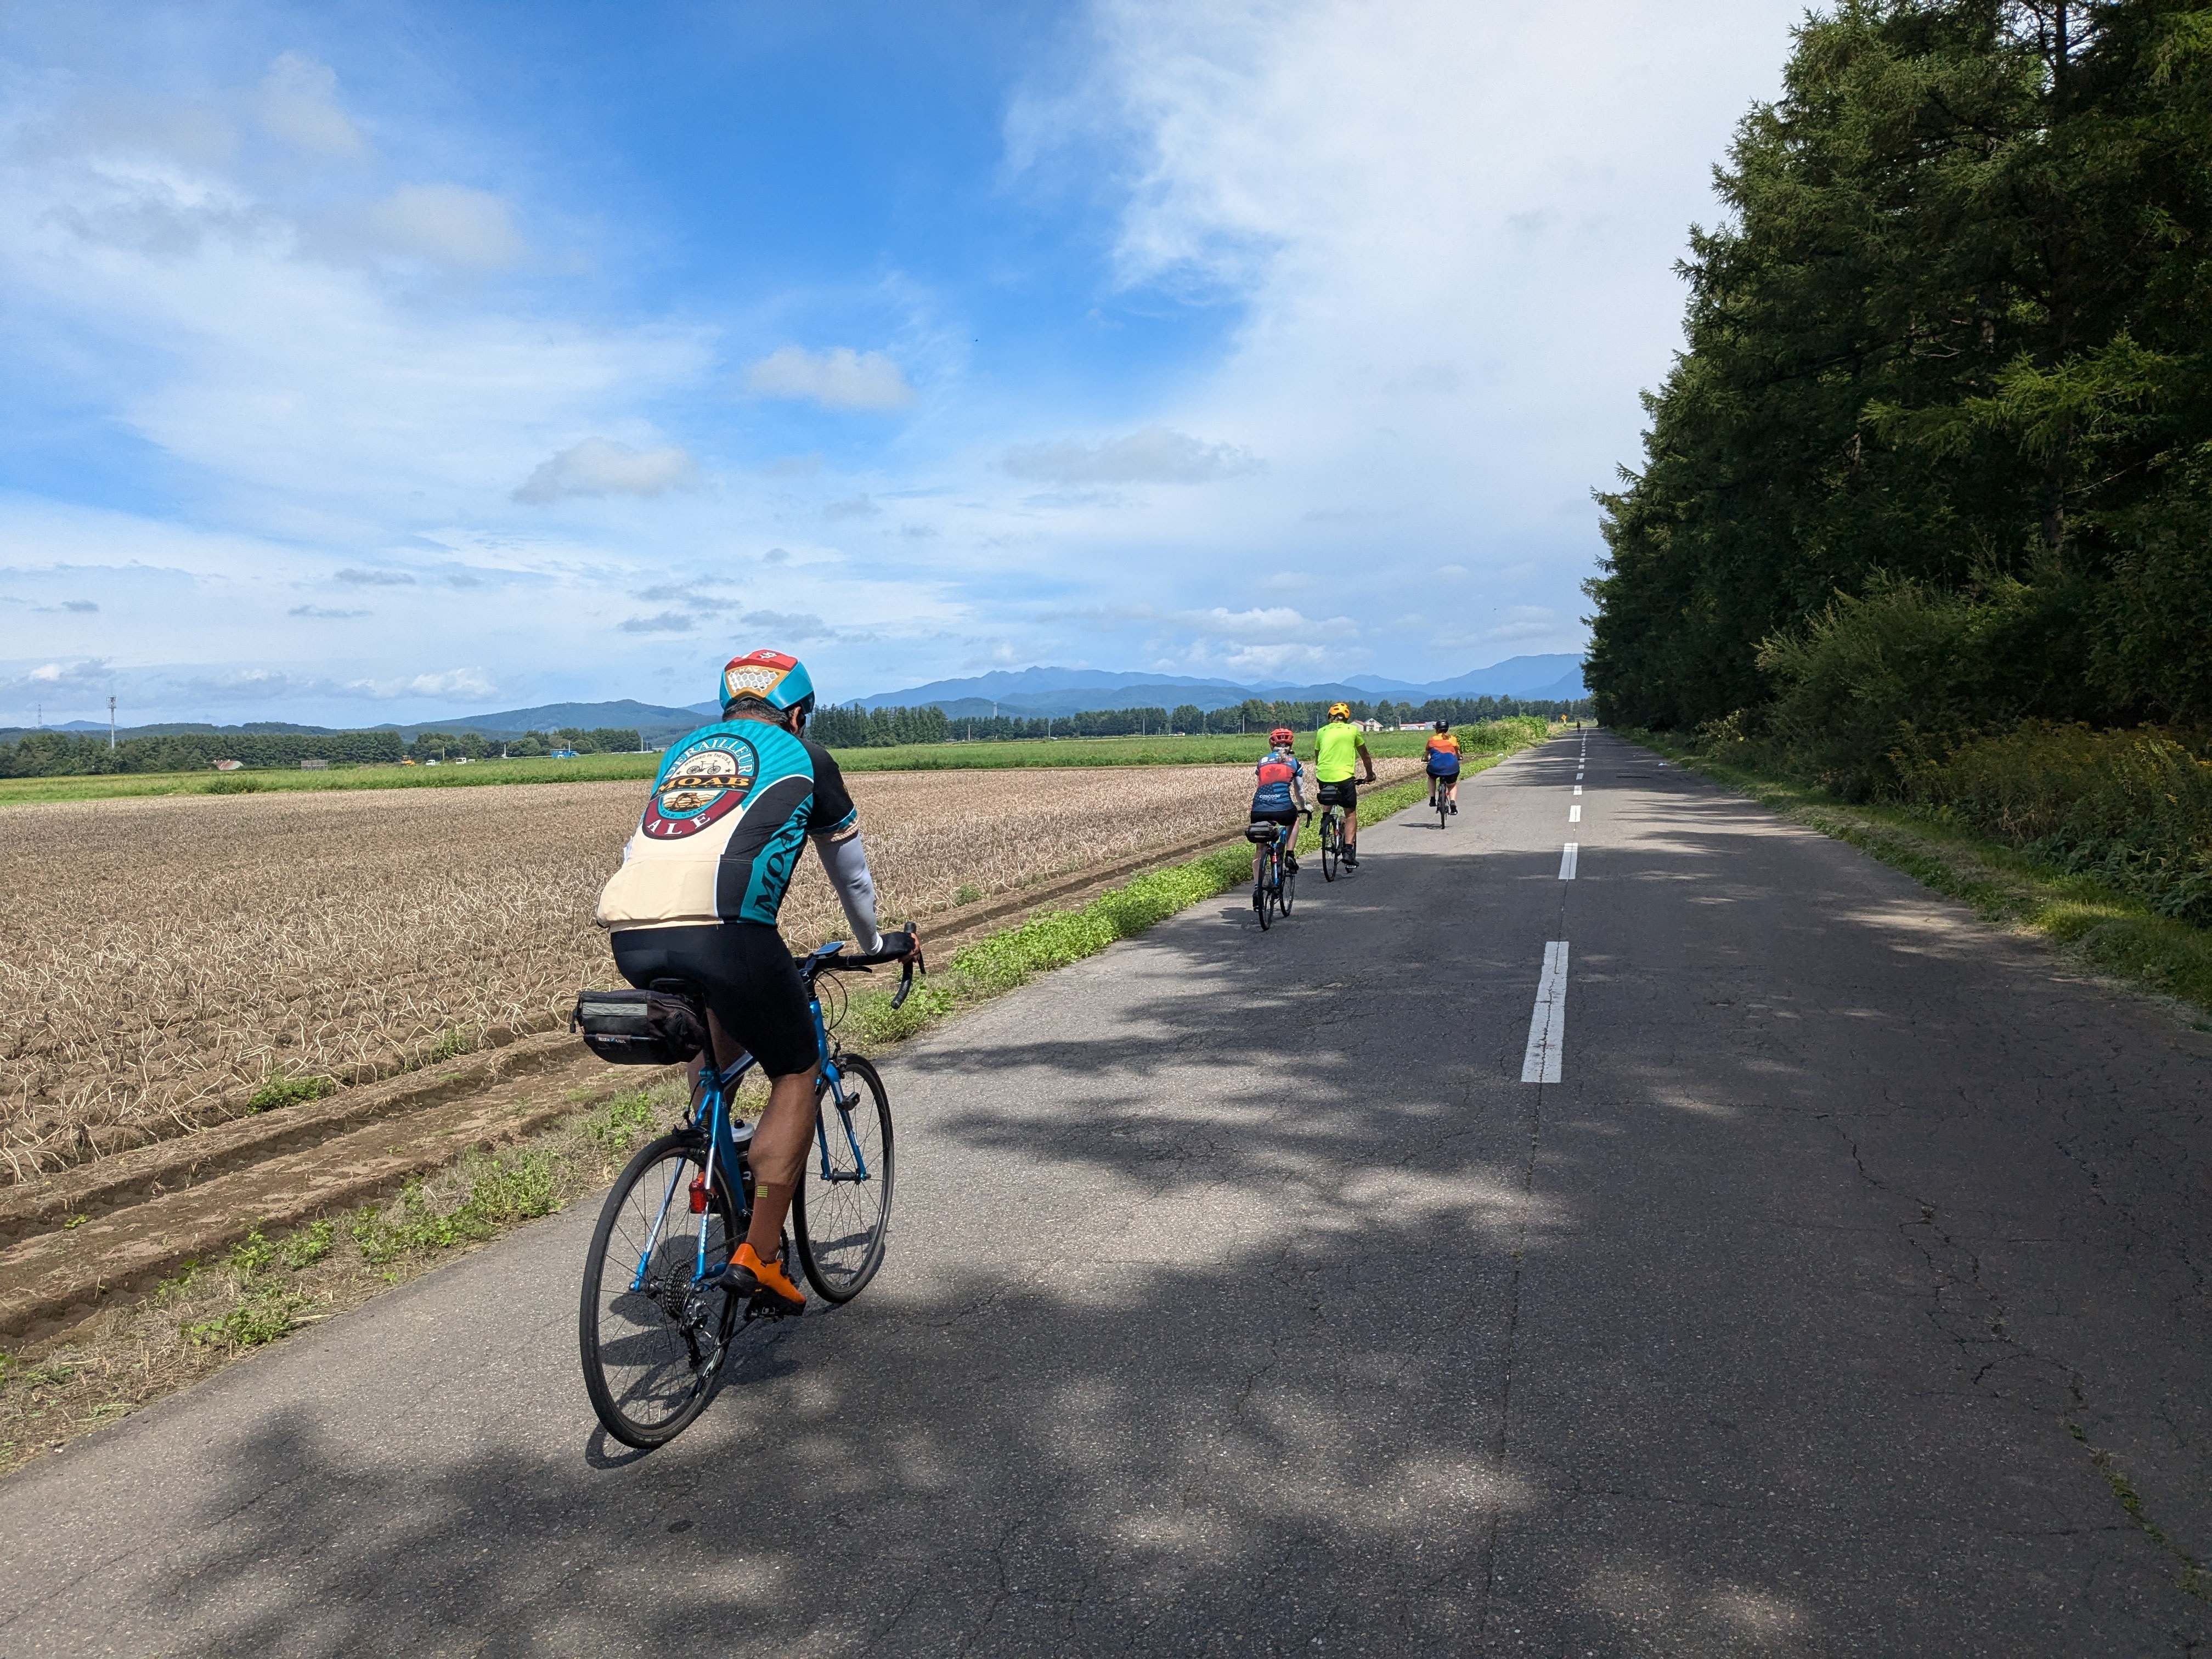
{"x": 764, "y": 1281}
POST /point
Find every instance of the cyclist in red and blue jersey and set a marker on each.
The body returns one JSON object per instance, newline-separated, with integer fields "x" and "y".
{"x": 696, "y": 897}
{"x": 1281, "y": 796}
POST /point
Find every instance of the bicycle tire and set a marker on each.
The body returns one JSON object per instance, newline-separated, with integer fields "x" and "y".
{"x": 667, "y": 1341}
{"x": 1441, "y": 799}
{"x": 1331, "y": 854}
{"x": 841, "y": 1239}
{"x": 1262, "y": 906}
{"x": 1285, "y": 890}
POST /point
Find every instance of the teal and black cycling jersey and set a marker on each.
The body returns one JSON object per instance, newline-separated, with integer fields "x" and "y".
{"x": 731, "y": 807}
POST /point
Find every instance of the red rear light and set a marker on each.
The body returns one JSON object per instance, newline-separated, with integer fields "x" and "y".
{"x": 699, "y": 1193}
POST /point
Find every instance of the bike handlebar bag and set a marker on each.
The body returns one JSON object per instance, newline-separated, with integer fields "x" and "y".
{"x": 638, "y": 1028}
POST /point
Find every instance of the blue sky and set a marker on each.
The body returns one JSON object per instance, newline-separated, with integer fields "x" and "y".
{"x": 372, "y": 362}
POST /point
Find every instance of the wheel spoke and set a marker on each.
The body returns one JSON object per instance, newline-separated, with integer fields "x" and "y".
{"x": 652, "y": 1333}
{"x": 843, "y": 1204}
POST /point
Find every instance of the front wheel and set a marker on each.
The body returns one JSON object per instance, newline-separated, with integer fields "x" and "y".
{"x": 843, "y": 1204}
{"x": 652, "y": 1331}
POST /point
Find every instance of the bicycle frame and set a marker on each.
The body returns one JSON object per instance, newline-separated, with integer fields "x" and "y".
{"x": 710, "y": 1114}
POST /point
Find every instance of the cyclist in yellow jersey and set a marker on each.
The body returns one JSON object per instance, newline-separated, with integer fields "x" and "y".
{"x": 1340, "y": 745}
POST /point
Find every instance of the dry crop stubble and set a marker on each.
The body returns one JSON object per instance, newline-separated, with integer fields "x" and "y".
{"x": 162, "y": 958}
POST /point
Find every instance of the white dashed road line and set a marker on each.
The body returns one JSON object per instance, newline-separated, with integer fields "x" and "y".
{"x": 1568, "y": 855}
{"x": 1547, "y": 1026}
{"x": 1578, "y": 789}
{"x": 1574, "y": 815}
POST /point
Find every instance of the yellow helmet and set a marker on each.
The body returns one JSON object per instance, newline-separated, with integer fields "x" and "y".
{"x": 1340, "y": 711}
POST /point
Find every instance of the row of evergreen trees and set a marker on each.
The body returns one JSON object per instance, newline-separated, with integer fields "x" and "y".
{"x": 466, "y": 744}
{"x": 1938, "y": 458}
{"x": 876, "y": 729}
{"x": 68, "y": 754}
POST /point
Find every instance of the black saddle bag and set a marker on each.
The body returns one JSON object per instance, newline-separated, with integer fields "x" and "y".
{"x": 638, "y": 1028}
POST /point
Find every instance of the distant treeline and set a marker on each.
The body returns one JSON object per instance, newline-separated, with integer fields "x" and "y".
{"x": 881, "y": 728}
{"x": 65, "y": 754}
{"x": 465, "y": 745}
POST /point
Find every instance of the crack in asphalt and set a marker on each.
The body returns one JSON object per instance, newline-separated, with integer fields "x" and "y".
{"x": 1958, "y": 1328}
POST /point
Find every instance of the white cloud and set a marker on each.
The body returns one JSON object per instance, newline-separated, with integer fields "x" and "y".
{"x": 299, "y": 105}
{"x": 1525, "y": 622}
{"x": 447, "y": 225}
{"x": 840, "y": 378}
{"x": 1154, "y": 454}
{"x": 599, "y": 466}
{"x": 667, "y": 621}
{"x": 454, "y": 682}
{"x": 353, "y": 578}
{"x": 1286, "y": 661}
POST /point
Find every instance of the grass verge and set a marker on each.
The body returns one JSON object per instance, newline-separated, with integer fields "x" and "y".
{"x": 268, "y": 1286}
{"x": 2091, "y": 923}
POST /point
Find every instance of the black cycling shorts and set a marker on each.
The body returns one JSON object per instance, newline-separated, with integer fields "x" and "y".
{"x": 750, "y": 982}
{"x": 1287, "y": 816}
{"x": 1344, "y": 793}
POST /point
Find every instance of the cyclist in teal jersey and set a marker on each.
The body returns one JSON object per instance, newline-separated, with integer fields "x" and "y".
{"x": 697, "y": 898}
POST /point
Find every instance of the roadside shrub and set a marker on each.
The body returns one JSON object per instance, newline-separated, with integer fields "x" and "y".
{"x": 1876, "y": 683}
{"x": 2132, "y": 809}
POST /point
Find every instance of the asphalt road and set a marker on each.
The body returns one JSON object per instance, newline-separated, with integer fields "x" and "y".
{"x": 1243, "y": 1298}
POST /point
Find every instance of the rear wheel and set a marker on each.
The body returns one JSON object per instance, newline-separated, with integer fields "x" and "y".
{"x": 1331, "y": 854}
{"x": 651, "y": 1333}
{"x": 1285, "y": 889}
{"x": 843, "y": 1205}
{"x": 1440, "y": 798}
{"x": 1263, "y": 904}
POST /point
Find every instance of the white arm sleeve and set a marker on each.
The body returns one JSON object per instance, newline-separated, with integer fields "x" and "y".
{"x": 846, "y": 864}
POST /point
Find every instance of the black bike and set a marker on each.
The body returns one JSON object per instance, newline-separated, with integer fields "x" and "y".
{"x": 653, "y": 1327}
{"x": 1276, "y": 887}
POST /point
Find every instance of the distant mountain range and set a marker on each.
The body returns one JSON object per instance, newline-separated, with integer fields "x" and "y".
{"x": 1034, "y": 692}
{"x": 1031, "y": 692}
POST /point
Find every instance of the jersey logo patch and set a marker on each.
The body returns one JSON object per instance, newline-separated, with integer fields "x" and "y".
{"x": 703, "y": 784}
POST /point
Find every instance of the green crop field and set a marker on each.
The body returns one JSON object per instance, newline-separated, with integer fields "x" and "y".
{"x": 584, "y": 768}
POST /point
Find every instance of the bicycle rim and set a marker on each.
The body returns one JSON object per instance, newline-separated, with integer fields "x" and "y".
{"x": 652, "y": 1339}
{"x": 843, "y": 1206}
{"x": 1330, "y": 852}
{"x": 1285, "y": 893}
{"x": 1263, "y": 907}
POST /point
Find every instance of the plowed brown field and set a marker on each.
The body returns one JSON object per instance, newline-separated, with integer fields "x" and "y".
{"x": 162, "y": 958}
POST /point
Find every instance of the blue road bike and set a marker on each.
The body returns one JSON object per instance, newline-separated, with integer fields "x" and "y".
{"x": 653, "y": 1327}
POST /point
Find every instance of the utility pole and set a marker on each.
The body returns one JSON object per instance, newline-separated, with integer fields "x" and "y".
{"x": 111, "y": 725}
